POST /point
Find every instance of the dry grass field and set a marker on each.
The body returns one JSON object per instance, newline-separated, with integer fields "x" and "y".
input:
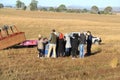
{"x": 23, "y": 63}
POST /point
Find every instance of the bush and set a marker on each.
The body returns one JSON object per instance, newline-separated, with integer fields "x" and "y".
{"x": 43, "y": 9}
{"x": 1, "y": 5}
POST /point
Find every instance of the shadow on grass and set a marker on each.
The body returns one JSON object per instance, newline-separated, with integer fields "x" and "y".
{"x": 94, "y": 53}
{"x": 19, "y": 47}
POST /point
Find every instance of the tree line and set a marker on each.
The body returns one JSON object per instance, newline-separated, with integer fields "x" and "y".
{"x": 94, "y": 10}
{"x": 61, "y": 8}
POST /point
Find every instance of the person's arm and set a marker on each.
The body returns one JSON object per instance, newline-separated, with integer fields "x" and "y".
{"x": 85, "y": 41}
{"x": 79, "y": 39}
{"x": 50, "y": 38}
{"x": 45, "y": 41}
{"x": 91, "y": 36}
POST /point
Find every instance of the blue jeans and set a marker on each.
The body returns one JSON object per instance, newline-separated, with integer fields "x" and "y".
{"x": 81, "y": 50}
{"x": 67, "y": 51}
{"x": 41, "y": 52}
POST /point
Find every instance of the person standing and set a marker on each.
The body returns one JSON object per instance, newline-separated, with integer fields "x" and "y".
{"x": 61, "y": 45}
{"x": 89, "y": 43}
{"x": 82, "y": 42}
{"x": 67, "y": 45}
{"x": 45, "y": 44}
{"x": 40, "y": 46}
{"x": 52, "y": 44}
{"x": 75, "y": 43}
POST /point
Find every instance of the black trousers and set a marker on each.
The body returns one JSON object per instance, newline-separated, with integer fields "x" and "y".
{"x": 89, "y": 49}
{"x": 41, "y": 52}
{"x": 74, "y": 52}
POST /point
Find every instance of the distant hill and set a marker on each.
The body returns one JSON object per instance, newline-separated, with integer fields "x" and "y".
{"x": 116, "y": 9}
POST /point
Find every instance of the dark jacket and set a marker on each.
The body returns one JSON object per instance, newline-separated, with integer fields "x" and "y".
{"x": 53, "y": 38}
{"x": 61, "y": 45}
{"x": 82, "y": 39}
{"x": 89, "y": 39}
{"x": 75, "y": 43}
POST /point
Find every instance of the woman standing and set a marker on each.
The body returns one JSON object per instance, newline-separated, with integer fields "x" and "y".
{"x": 75, "y": 43}
{"x": 61, "y": 45}
{"x": 82, "y": 42}
{"x": 67, "y": 45}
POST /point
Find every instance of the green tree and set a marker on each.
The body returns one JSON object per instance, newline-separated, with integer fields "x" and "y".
{"x": 43, "y": 9}
{"x": 108, "y": 10}
{"x": 102, "y": 12}
{"x": 84, "y": 10}
{"x": 51, "y": 9}
{"x": 94, "y": 9}
{"x": 24, "y": 8}
{"x": 77, "y": 10}
{"x": 18, "y": 4}
{"x": 61, "y": 8}
{"x": 70, "y": 10}
{"x": 1, "y": 5}
{"x": 34, "y": 5}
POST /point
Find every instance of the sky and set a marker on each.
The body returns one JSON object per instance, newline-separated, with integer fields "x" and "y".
{"x": 55, "y": 3}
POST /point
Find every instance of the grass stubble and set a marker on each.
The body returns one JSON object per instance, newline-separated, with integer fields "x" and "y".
{"x": 23, "y": 64}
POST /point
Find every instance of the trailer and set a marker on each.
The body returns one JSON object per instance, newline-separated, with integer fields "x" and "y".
{"x": 10, "y": 36}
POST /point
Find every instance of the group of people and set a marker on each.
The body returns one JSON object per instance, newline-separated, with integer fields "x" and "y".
{"x": 64, "y": 45}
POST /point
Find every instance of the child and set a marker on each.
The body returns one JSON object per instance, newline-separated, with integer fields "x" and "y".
{"x": 40, "y": 46}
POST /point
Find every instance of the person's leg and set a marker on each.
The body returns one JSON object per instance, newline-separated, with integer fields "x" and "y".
{"x": 49, "y": 50}
{"x": 72, "y": 52}
{"x": 54, "y": 51}
{"x": 88, "y": 49}
{"x": 62, "y": 52}
{"x": 58, "y": 52}
{"x": 66, "y": 51}
{"x": 81, "y": 50}
{"x": 75, "y": 53}
{"x": 42, "y": 52}
{"x": 85, "y": 50}
{"x": 39, "y": 53}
